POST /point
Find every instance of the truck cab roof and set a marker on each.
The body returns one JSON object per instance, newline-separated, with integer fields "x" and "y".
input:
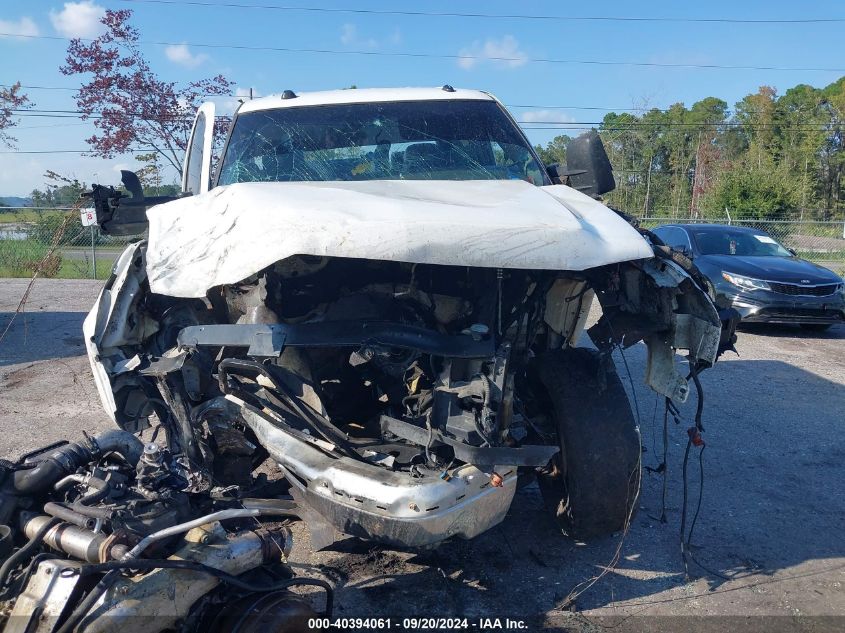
{"x": 363, "y": 95}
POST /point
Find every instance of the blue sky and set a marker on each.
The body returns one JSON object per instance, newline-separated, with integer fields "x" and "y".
{"x": 36, "y": 61}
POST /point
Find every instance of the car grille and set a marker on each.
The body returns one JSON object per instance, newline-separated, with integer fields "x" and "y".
{"x": 804, "y": 291}
{"x": 797, "y": 314}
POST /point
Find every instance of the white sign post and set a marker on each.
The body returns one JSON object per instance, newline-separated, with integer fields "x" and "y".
{"x": 89, "y": 218}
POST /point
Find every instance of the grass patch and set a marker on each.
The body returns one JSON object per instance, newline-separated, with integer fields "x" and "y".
{"x": 80, "y": 269}
{"x": 20, "y": 258}
{"x": 13, "y": 216}
{"x": 67, "y": 269}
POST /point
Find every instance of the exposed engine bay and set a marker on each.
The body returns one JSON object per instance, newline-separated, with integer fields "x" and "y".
{"x": 384, "y": 400}
{"x": 393, "y": 396}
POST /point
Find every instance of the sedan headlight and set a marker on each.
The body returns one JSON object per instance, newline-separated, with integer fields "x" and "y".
{"x": 746, "y": 283}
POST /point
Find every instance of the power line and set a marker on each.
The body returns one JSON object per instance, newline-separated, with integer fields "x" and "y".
{"x": 548, "y": 125}
{"x": 539, "y": 60}
{"x": 52, "y": 125}
{"x": 52, "y": 151}
{"x": 495, "y": 16}
{"x": 509, "y": 105}
{"x": 79, "y": 114}
{"x": 38, "y": 87}
{"x": 567, "y": 107}
{"x": 604, "y": 127}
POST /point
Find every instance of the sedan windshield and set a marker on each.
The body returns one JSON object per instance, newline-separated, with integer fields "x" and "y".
{"x": 415, "y": 140}
{"x": 738, "y": 243}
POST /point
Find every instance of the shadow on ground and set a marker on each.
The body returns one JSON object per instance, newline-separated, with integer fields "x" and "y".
{"x": 36, "y": 336}
{"x": 792, "y": 331}
{"x": 774, "y": 467}
{"x": 772, "y": 502}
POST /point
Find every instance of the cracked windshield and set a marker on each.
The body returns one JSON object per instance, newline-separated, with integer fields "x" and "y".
{"x": 415, "y": 140}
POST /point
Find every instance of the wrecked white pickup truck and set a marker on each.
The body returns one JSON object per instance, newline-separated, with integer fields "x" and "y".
{"x": 380, "y": 294}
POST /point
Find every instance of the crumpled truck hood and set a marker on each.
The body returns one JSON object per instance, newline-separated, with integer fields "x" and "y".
{"x": 234, "y": 231}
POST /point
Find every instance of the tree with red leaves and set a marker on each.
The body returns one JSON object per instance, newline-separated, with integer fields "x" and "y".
{"x": 11, "y": 99}
{"x": 132, "y": 109}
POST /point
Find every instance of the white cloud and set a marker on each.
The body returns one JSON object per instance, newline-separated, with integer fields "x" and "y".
{"x": 502, "y": 53}
{"x": 25, "y": 26}
{"x": 181, "y": 54}
{"x": 349, "y": 36}
{"x": 546, "y": 116}
{"x": 78, "y": 19}
{"x": 348, "y": 33}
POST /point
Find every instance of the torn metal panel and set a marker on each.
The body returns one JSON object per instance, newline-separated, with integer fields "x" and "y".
{"x": 568, "y": 303}
{"x": 658, "y": 302}
{"x": 115, "y": 321}
{"x": 661, "y": 372}
{"x": 232, "y": 232}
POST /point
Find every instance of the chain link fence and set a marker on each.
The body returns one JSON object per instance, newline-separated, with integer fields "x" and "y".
{"x": 819, "y": 242}
{"x": 83, "y": 251}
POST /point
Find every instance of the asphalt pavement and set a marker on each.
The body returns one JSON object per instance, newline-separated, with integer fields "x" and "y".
{"x": 769, "y": 535}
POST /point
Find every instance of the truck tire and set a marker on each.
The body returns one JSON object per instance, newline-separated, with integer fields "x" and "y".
{"x": 592, "y": 485}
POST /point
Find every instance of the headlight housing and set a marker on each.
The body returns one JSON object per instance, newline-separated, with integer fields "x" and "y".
{"x": 746, "y": 283}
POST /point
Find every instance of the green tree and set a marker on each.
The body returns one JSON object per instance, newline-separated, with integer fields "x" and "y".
{"x": 554, "y": 151}
{"x": 831, "y": 154}
{"x": 708, "y": 117}
{"x": 801, "y": 118}
{"x": 756, "y": 191}
{"x": 58, "y": 192}
{"x": 774, "y": 154}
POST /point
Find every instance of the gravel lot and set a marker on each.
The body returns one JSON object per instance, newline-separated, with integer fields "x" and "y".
{"x": 772, "y": 520}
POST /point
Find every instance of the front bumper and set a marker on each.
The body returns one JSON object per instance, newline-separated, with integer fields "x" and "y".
{"x": 762, "y": 306}
{"x": 368, "y": 501}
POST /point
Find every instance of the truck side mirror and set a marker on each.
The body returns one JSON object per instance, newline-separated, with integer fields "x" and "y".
{"x": 132, "y": 184}
{"x": 587, "y": 165}
{"x": 118, "y": 214}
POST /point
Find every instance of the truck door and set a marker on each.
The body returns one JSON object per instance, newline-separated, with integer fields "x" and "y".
{"x": 196, "y": 172}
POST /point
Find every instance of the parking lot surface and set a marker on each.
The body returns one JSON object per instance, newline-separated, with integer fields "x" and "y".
{"x": 770, "y": 532}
